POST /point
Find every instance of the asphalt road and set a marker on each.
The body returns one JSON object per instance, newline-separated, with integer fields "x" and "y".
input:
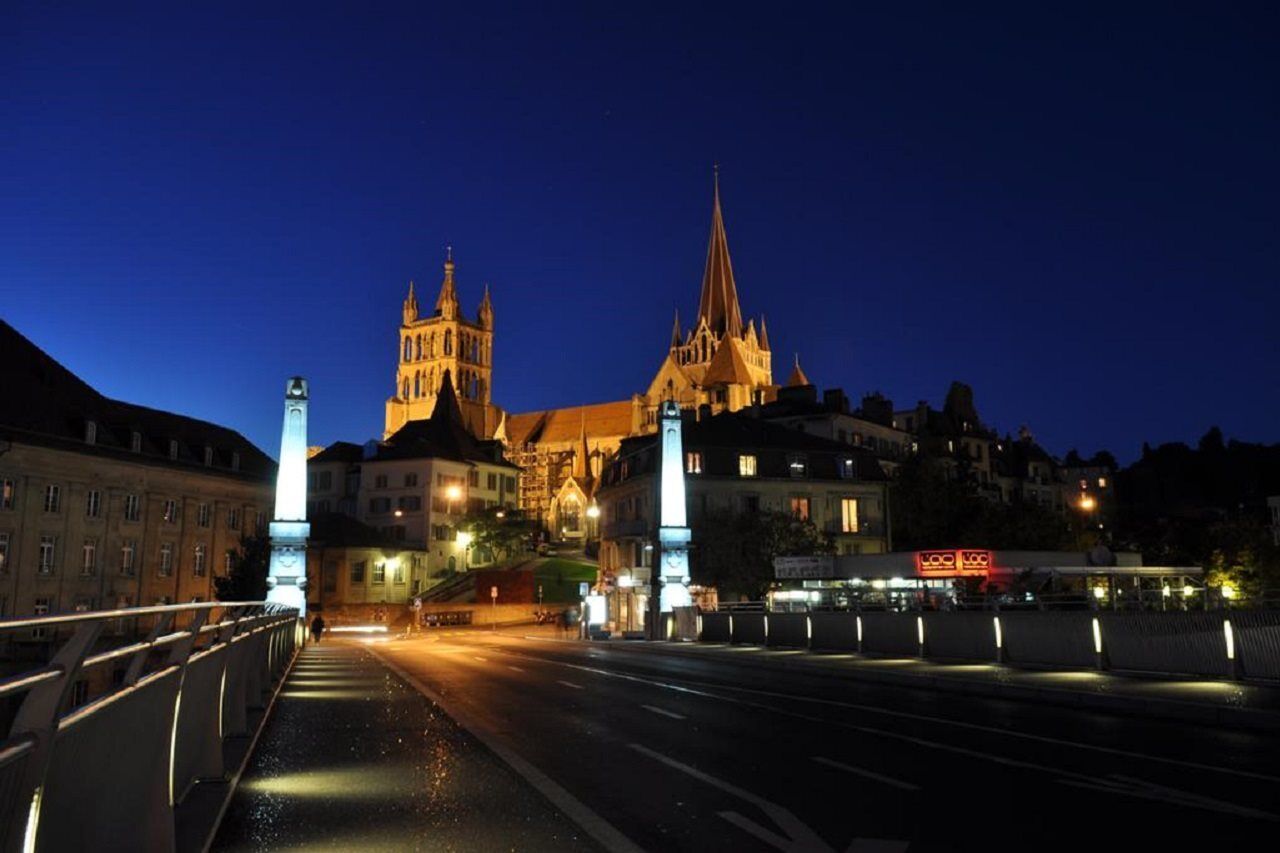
{"x": 656, "y": 750}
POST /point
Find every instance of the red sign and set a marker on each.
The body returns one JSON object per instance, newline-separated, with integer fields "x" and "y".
{"x": 963, "y": 561}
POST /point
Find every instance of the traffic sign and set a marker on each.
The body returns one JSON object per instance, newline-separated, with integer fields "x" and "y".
{"x": 584, "y": 588}
{"x": 493, "y": 593}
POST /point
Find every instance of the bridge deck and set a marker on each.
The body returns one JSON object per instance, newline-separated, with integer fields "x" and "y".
{"x": 354, "y": 759}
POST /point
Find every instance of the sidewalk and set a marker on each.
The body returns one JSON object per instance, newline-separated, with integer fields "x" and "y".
{"x": 1230, "y": 704}
{"x": 355, "y": 759}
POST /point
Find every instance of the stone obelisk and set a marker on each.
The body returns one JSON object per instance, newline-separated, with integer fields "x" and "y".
{"x": 673, "y": 534}
{"x": 287, "y": 579}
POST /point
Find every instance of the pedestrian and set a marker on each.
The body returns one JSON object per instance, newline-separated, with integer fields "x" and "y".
{"x": 317, "y": 628}
{"x": 564, "y": 621}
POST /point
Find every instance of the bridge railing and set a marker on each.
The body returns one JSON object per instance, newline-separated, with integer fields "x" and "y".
{"x": 111, "y": 733}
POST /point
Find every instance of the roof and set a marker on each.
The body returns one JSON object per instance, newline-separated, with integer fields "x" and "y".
{"x": 339, "y": 451}
{"x": 719, "y": 302}
{"x": 728, "y": 367}
{"x": 797, "y": 376}
{"x": 444, "y": 435}
{"x": 567, "y": 425}
{"x": 47, "y": 404}
{"x": 337, "y": 530}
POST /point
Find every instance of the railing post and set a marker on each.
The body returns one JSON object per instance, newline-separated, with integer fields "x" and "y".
{"x": 139, "y": 659}
{"x": 37, "y": 719}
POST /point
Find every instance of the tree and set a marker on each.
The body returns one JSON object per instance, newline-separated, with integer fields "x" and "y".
{"x": 500, "y": 535}
{"x": 247, "y": 578}
{"x": 734, "y": 551}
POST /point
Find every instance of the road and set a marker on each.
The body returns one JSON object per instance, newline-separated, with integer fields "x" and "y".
{"x": 656, "y": 750}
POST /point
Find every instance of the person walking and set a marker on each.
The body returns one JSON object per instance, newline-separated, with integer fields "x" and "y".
{"x": 317, "y": 628}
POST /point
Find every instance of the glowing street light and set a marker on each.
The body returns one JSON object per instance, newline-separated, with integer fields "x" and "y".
{"x": 1087, "y": 503}
{"x": 593, "y": 511}
{"x": 464, "y": 539}
{"x": 1228, "y": 591}
{"x": 453, "y": 493}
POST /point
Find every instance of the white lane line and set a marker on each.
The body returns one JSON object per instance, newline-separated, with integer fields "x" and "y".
{"x": 515, "y": 668}
{"x": 868, "y": 774}
{"x": 663, "y": 711}
{"x": 593, "y": 824}
{"x": 677, "y": 684}
{"x": 570, "y": 684}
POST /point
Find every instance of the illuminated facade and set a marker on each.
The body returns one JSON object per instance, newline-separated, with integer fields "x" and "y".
{"x": 286, "y": 579}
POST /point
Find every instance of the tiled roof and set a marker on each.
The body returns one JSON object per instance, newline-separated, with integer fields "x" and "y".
{"x": 727, "y": 367}
{"x": 719, "y": 302}
{"x": 339, "y": 451}
{"x": 444, "y": 435}
{"x": 564, "y": 425}
{"x": 45, "y": 403}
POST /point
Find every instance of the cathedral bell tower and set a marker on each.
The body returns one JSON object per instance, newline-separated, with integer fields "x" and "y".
{"x": 444, "y": 341}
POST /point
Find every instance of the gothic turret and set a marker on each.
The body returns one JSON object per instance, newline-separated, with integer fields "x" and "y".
{"x": 797, "y": 376}
{"x": 410, "y": 306}
{"x": 447, "y": 302}
{"x": 675, "y": 331}
{"x": 485, "y": 312}
{"x": 764, "y": 335}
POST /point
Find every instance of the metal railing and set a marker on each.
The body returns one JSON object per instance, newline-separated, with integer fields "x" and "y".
{"x": 907, "y": 599}
{"x": 111, "y": 733}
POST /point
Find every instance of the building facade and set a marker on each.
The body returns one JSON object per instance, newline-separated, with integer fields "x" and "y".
{"x": 104, "y": 503}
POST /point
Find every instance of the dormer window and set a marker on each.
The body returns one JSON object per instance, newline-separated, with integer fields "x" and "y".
{"x": 208, "y": 456}
{"x": 798, "y": 466}
{"x": 848, "y": 468}
{"x": 90, "y": 433}
{"x": 173, "y": 448}
{"x": 135, "y": 442}
{"x": 235, "y": 461}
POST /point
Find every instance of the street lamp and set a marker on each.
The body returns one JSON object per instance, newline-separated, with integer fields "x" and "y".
{"x": 464, "y": 542}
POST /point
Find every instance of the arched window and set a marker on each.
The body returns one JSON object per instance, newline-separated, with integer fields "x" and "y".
{"x": 405, "y": 395}
{"x": 408, "y": 348}
{"x": 475, "y": 387}
{"x": 431, "y": 345}
{"x": 417, "y": 385}
{"x": 418, "y": 347}
{"x": 448, "y": 341}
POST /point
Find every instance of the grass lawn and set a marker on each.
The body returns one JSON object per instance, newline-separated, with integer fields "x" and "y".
{"x": 560, "y": 578}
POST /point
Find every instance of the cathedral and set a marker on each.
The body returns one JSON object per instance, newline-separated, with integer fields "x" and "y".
{"x": 719, "y": 362}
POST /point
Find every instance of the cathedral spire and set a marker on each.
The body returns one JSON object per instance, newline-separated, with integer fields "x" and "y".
{"x": 582, "y": 452}
{"x": 764, "y": 335}
{"x": 797, "y": 376}
{"x": 447, "y": 302}
{"x": 675, "y": 331}
{"x": 410, "y": 306}
{"x": 719, "y": 302}
{"x": 485, "y": 312}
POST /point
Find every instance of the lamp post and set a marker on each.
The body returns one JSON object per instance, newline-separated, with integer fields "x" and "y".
{"x": 464, "y": 542}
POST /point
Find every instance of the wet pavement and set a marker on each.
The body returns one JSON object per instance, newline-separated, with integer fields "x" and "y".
{"x": 355, "y": 759}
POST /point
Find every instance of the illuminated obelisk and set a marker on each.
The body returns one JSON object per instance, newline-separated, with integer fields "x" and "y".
{"x": 673, "y": 535}
{"x": 287, "y": 579}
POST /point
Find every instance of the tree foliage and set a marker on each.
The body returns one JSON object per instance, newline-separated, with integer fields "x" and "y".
{"x": 247, "y": 579}
{"x": 734, "y": 551}
{"x": 502, "y": 537}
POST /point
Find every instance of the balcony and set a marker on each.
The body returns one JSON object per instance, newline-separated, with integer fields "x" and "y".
{"x": 868, "y": 527}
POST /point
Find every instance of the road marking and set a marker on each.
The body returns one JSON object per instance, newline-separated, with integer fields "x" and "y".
{"x": 674, "y": 684}
{"x": 482, "y": 660}
{"x": 799, "y": 836}
{"x": 593, "y": 824}
{"x": 515, "y": 669}
{"x": 663, "y": 711}
{"x": 869, "y": 774}
{"x": 570, "y": 684}
{"x": 1127, "y": 785}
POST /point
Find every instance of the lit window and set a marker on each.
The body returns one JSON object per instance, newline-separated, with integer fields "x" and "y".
{"x": 800, "y": 508}
{"x": 398, "y": 575}
{"x": 798, "y": 467}
{"x": 197, "y": 561}
{"x": 849, "y": 515}
{"x": 1102, "y": 482}
{"x": 848, "y": 469}
{"x": 379, "y": 572}
{"x": 693, "y": 463}
{"x": 52, "y": 498}
{"x": 746, "y": 465}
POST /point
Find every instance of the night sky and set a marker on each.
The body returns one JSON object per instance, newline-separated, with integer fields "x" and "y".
{"x": 1075, "y": 211}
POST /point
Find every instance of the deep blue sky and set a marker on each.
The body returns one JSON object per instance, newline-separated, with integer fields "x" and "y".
{"x": 1075, "y": 211}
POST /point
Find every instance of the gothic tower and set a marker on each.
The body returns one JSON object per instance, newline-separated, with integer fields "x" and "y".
{"x": 444, "y": 340}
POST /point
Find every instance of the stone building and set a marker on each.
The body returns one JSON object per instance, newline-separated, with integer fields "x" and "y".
{"x": 737, "y": 461}
{"x": 444, "y": 342}
{"x": 105, "y": 503}
{"x": 356, "y": 573}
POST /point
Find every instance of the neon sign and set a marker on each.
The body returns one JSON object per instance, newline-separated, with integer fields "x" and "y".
{"x": 962, "y": 561}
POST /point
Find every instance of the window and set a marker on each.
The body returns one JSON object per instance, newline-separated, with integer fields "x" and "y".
{"x": 135, "y": 442}
{"x": 379, "y": 572}
{"x": 173, "y": 448}
{"x": 693, "y": 463}
{"x": 473, "y": 477}
{"x": 324, "y": 480}
{"x": 329, "y": 581}
{"x": 202, "y": 515}
{"x": 4, "y": 551}
{"x": 90, "y": 433}
{"x": 357, "y": 572}
{"x": 170, "y": 511}
{"x": 410, "y": 480}
{"x": 127, "y": 549}
{"x": 197, "y": 561}
{"x": 41, "y": 609}
{"x": 849, "y": 515}
{"x": 398, "y": 572}
{"x": 208, "y": 456}
{"x": 848, "y": 469}
{"x": 379, "y": 505}
{"x": 800, "y": 508}
{"x": 92, "y": 503}
{"x": 380, "y": 481}
{"x": 798, "y": 466}
{"x": 52, "y": 498}
{"x": 166, "y": 560}
{"x": 89, "y": 563}
{"x": 48, "y": 550}
{"x": 491, "y": 482}
{"x": 6, "y": 494}
{"x": 1102, "y": 482}
{"x": 511, "y": 484}
{"x": 130, "y": 507}
{"x": 233, "y": 519}
{"x": 746, "y": 465}
{"x": 410, "y": 502}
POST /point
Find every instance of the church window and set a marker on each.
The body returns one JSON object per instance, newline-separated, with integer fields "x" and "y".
{"x": 448, "y": 341}
{"x": 417, "y": 385}
{"x": 408, "y": 348}
{"x": 405, "y": 395}
{"x": 431, "y": 345}
{"x": 417, "y": 344}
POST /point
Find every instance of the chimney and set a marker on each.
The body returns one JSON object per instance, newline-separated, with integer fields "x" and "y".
{"x": 835, "y": 400}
